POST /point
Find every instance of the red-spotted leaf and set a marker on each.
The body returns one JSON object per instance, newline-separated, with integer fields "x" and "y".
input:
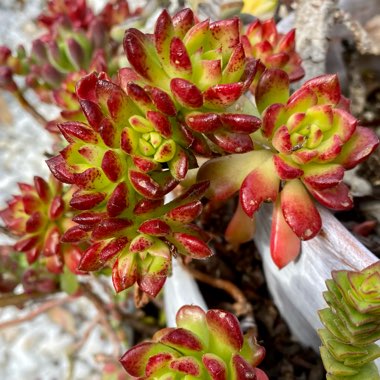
{"x": 57, "y": 207}
{"x": 52, "y": 242}
{"x": 215, "y": 367}
{"x": 326, "y": 87}
{"x": 124, "y": 271}
{"x": 118, "y": 201}
{"x": 86, "y": 201}
{"x": 183, "y": 340}
{"x": 232, "y": 142}
{"x": 75, "y": 131}
{"x": 153, "y": 273}
{"x": 60, "y": 169}
{"x": 155, "y": 227}
{"x": 144, "y": 184}
{"x": 157, "y": 362}
{"x": 113, "y": 248}
{"x": 204, "y": 122}
{"x": 179, "y": 58}
{"x": 362, "y": 143}
{"x": 91, "y": 260}
{"x": 186, "y": 213}
{"x": 222, "y": 96}
{"x": 160, "y": 123}
{"x": 110, "y": 227}
{"x": 271, "y": 118}
{"x": 186, "y": 93}
{"x": 299, "y": 210}
{"x": 241, "y": 370}
{"x": 225, "y": 333}
{"x": 42, "y": 188}
{"x": 26, "y": 244}
{"x": 323, "y": 176}
{"x": 193, "y": 318}
{"x": 143, "y": 359}
{"x": 273, "y": 87}
{"x": 89, "y": 218}
{"x": 33, "y": 224}
{"x": 111, "y": 165}
{"x": 285, "y": 169}
{"x": 191, "y": 245}
{"x": 186, "y": 365}
{"x": 336, "y": 198}
{"x": 240, "y": 123}
{"x": 73, "y": 235}
{"x": 162, "y": 101}
{"x": 261, "y": 185}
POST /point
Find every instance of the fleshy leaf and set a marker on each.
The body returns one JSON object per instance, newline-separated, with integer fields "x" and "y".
{"x": 299, "y": 210}
{"x": 285, "y": 245}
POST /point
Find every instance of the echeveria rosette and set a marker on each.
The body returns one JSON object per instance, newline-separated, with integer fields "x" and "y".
{"x": 128, "y": 137}
{"x": 203, "y": 67}
{"x": 38, "y": 216}
{"x": 275, "y": 50}
{"x": 308, "y": 140}
{"x": 68, "y": 52}
{"x": 123, "y": 163}
{"x": 81, "y": 16}
{"x": 352, "y": 324}
{"x": 76, "y": 11}
{"x": 204, "y": 345}
{"x": 314, "y": 139}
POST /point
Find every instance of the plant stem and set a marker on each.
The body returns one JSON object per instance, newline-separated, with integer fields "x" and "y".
{"x": 19, "y": 299}
{"x": 241, "y": 306}
{"x": 103, "y": 317}
{"x": 78, "y": 345}
{"x": 29, "y": 107}
{"x": 36, "y": 312}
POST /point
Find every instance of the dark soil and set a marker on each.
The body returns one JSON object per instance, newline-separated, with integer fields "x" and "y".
{"x": 285, "y": 358}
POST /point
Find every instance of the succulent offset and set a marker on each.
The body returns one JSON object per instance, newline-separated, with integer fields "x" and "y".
{"x": 38, "y": 218}
{"x": 204, "y": 345}
{"x": 352, "y": 324}
{"x": 275, "y": 50}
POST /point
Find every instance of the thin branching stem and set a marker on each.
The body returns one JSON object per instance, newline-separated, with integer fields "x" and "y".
{"x": 30, "y": 108}
{"x": 47, "y": 305}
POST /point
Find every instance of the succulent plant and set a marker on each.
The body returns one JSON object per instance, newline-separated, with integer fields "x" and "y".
{"x": 352, "y": 324}
{"x": 309, "y": 140}
{"x": 275, "y": 50}
{"x": 260, "y": 8}
{"x": 76, "y": 42}
{"x": 203, "y": 68}
{"x": 123, "y": 163}
{"x": 76, "y": 11}
{"x": 204, "y": 345}
{"x": 81, "y": 16}
{"x": 60, "y": 58}
{"x": 38, "y": 218}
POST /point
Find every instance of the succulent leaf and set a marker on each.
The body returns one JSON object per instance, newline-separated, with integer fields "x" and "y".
{"x": 187, "y": 352}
